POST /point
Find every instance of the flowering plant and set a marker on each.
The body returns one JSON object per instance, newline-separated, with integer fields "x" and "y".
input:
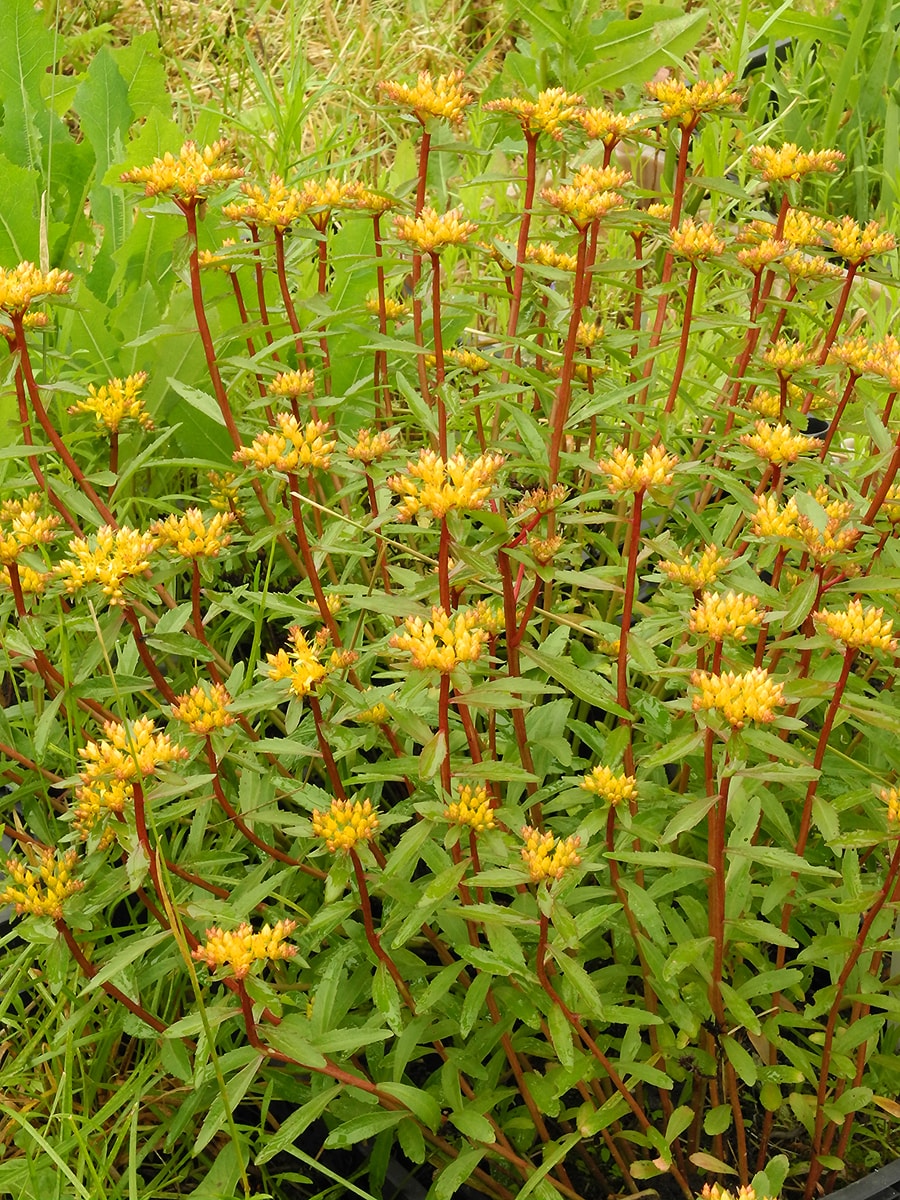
{"x": 491, "y": 741}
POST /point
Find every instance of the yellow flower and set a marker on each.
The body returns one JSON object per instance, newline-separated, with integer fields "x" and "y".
{"x": 837, "y": 537}
{"x": 393, "y": 309}
{"x": 490, "y": 617}
{"x": 427, "y": 97}
{"x": 604, "y": 126}
{"x": 554, "y": 108}
{"x": 300, "y": 664}
{"x": 192, "y": 537}
{"x": 345, "y": 824}
{"x": 753, "y": 696}
{"x": 239, "y": 949}
{"x": 725, "y": 615}
{"x": 292, "y": 384}
{"x": 98, "y": 799}
{"x": 855, "y": 244}
{"x": 473, "y": 808}
{"x": 443, "y": 642}
{"x": 768, "y": 404}
{"x": 771, "y": 521}
{"x": 291, "y": 448}
{"x": 786, "y": 357}
{"x": 546, "y": 255}
{"x": 454, "y": 484}
{"x": 547, "y": 858}
{"x": 204, "y": 708}
{"x": 541, "y": 500}
{"x": 707, "y": 570}
{"x": 695, "y": 241}
{"x": 188, "y": 176}
{"x": 857, "y": 353}
{"x": 115, "y": 401}
{"x": 469, "y": 361}
{"x": 891, "y": 797}
{"x": 544, "y": 550}
{"x": 687, "y": 104}
{"x": 223, "y": 494}
{"x": 31, "y": 582}
{"x": 116, "y": 556}
{"x": 810, "y": 266}
{"x": 587, "y": 335}
{"x": 885, "y": 360}
{"x": 859, "y": 628}
{"x": 21, "y": 527}
{"x": 431, "y": 231}
{"x": 130, "y": 748}
{"x": 790, "y": 162}
{"x": 803, "y": 228}
{"x": 41, "y": 886}
{"x": 318, "y": 199}
{"x": 589, "y": 197}
{"x": 369, "y": 446}
{"x": 26, "y": 283}
{"x": 612, "y": 788}
{"x": 659, "y": 212}
{"x": 278, "y": 207}
{"x": 376, "y": 714}
{"x": 778, "y": 443}
{"x": 624, "y": 475}
{"x": 30, "y": 320}
{"x": 763, "y": 254}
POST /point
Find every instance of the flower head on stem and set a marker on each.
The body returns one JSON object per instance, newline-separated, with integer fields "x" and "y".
{"x": 854, "y": 243}
{"x": 772, "y": 521}
{"x": 473, "y": 808}
{"x": 22, "y": 526}
{"x": 624, "y": 474}
{"x": 859, "y": 628}
{"x": 442, "y": 97}
{"x": 891, "y": 797}
{"x": 369, "y": 446}
{"x": 604, "y": 126}
{"x": 609, "y": 786}
{"x": 117, "y": 555}
{"x": 547, "y": 857}
{"x": 431, "y": 231}
{"x": 41, "y": 886}
{"x": 778, "y": 443}
{"x": 444, "y": 641}
{"x": 884, "y": 360}
{"x": 116, "y": 401}
{"x": 719, "y": 615}
{"x": 696, "y": 241}
{"x": 550, "y": 113}
{"x": 293, "y": 447}
{"x": 707, "y": 569}
{"x": 192, "y": 537}
{"x": 439, "y": 487}
{"x": 204, "y": 708}
{"x": 686, "y": 104}
{"x": 345, "y": 824}
{"x": 188, "y": 176}
{"x": 545, "y": 254}
{"x": 300, "y": 663}
{"x": 752, "y": 696}
{"x": 790, "y": 162}
{"x": 25, "y": 284}
{"x": 277, "y": 206}
{"x": 240, "y": 948}
{"x": 291, "y": 385}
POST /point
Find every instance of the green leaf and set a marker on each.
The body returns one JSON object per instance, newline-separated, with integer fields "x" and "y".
{"x": 29, "y": 53}
{"x": 586, "y": 685}
{"x": 706, "y": 1162}
{"x": 678, "y": 1122}
{"x": 473, "y": 1005}
{"x": 455, "y": 1174}
{"x": 386, "y": 996}
{"x": 633, "y": 50}
{"x": 420, "y": 1103}
{"x": 561, "y": 1036}
{"x": 432, "y": 756}
{"x": 740, "y": 1060}
{"x": 235, "y": 1090}
{"x": 474, "y": 1125}
{"x": 717, "y": 1120}
{"x": 803, "y": 597}
{"x": 357, "y": 1129}
{"x": 298, "y": 1121}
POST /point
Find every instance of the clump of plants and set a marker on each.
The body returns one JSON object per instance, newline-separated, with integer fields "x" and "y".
{"x": 483, "y": 752}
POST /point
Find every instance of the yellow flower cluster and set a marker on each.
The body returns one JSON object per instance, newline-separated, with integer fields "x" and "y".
{"x": 439, "y": 486}
{"x": 393, "y": 309}
{"x": 204, "y": 708}
{"x": 545, "y": 254}
{"x": 115, "y": 401}
{"x": 762, "y": 254}
{"x": 430, "y": 231}
{"x": 187, "y": 176}
{"x": 705, "y": 571}
{"x": 656, "y": 470}
{"x": 444, "y": 641}
{"x": 26, "y": 283}
{"x": 21, "y": 526}
{"x": 469, "y": 361}
{"x": 42, "y": 885}
{"x": 720, "y": 615}
{"x": 370, "y": 446}
{"x": 553, "y": 109}
{"x": 292, "y": 384}
{"x": 300, "y": 663}
{"x": 696, "y": 241}
{"x": 778, "y": 443}
{"x": 604, "y": 126}
{"x": 128, "y": 751}
{"x": 427, "y": 97}
{"x": 857, "y": 353}
{"x": 891, "y": 797}
{"x": 609, "y": 786}
{"x": 192, "y": 537}
{"x": 541, "y": 500}
{"x": 859, "y": 628}
{"x": 547, "y": 858}
{"x": 837, "y": 537}
{"x": 223, "y": 495}
{"x": 790, "y": 162}
{"x": 716, "y": 1192}
{"x": 587, "y": 335}
{"x": 752, "y": 696}
{"x": 770, "y": 520}
{"x": 590, "y": 195}
{"x": 291, "y": 448}
{"x": 544, "y": 550}
{"x": 278, "y": 206}
{"x": 31, "y": 582}
{"x": 345, "y": 824}
{"x": 786, "y": 357}
{"x": 240, "y": 948}
{"x": 376, "y": 714}
{"x": 117, "y": 555}
{"x": 854, "y": 243}
{"x": 687, "y": 104}
{"x": 885, "y": 360}
{"x": 810, "y": 266}
{"x": 473, "y": 808}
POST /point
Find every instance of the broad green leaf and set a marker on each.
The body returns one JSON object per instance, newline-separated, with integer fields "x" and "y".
{"x": 473, "y": 1124}
{"x": 740, "y": 1060}
{"x": 455, "y": 1174}
{"x": 366, "y": 1125}
{"x": 420, "y": 1103}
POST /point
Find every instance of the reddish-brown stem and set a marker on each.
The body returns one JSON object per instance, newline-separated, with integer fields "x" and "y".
{"x": 146, "y": 657}
{"x": 518, "y": 281}
{"x": 444, "y": 730}
{"x": 839, "y": 412}
{"x": 325, "y": 747}
{"x": 261, "y": 288}
{"x": 683, "y": 343}
{"x": 372, "y": 935}
{"x": 444, "y": 567}
{"x": 513, "y": 671}
{"x": 251, "y": 349}
{"x": 634, "y": 539}
{"x": 111, "y": 990}
{"x": 381, "y": 367}
{"x": 560, "y": 411}
{"x": 309, "y": 563}
{"x": 438, "y": 352}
